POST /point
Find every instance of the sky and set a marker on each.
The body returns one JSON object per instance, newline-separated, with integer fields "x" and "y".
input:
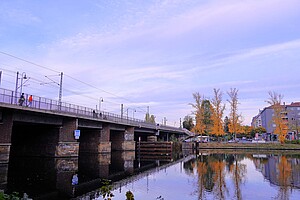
{"x": 152, "y": 54}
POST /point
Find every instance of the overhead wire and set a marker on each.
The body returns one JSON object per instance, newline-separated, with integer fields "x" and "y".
{"x": 66, "y": 75}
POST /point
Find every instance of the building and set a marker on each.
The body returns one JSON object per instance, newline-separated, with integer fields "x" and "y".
{"x": 256, "y": 121}
{"x": 291, "y": 113}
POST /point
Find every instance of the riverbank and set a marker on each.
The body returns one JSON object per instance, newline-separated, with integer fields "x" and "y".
{"x": 254, "y": 146}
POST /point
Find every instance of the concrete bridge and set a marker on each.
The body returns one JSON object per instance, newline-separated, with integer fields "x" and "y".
{"x": 57, "y": 129}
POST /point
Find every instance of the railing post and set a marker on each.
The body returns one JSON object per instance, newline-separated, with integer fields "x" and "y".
{"x": 39, "y": 102}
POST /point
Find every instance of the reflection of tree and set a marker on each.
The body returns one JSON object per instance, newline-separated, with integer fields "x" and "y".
{"x": 284, "y": 176}
{"x": 220, "y": 188}
{"x": 202, "y": 170}
{"x": 238, "y": 172}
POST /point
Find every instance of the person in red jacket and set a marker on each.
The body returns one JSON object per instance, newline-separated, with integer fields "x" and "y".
{"x": 30, "y": 98}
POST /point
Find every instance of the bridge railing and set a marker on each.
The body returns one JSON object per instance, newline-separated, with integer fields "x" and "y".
{"x": 42, "y": 103}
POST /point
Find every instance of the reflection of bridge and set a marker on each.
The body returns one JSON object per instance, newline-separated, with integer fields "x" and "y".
{"x": 47, "y": 128}
{"x": 145, "y": 171}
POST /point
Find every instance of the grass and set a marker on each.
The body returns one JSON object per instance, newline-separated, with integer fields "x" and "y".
{"x": 264, "y": 146}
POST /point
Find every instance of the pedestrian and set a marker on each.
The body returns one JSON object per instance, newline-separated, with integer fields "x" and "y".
{"x": 30, "y": 98}
{"x": 21, "y": 100}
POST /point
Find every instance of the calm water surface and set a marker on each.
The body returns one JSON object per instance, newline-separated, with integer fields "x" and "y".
{"x": 205, "y": 175}
{"x": 221, "y": 176}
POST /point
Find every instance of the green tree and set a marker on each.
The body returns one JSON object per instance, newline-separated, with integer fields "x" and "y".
{"x": 207, "y": 116}
{"x": 226, "y": 124}
{"x": 188, "y": 122}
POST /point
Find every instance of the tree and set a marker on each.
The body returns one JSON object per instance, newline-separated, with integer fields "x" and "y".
{"x": 226, "y": 124}
{"x": 199, "y": 116}
{"x": 234, "y": 117}
{"x": 207, "y": 116}
{"x": 150, "y": 118}
{"x": 279, "y": 118}
{"x": 188, "y": 122}
{"x": 218, "y": 110}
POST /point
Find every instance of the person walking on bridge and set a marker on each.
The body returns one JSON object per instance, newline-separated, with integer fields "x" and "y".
{"x": 21, "y": 100}
{"x": 30, "y": 98}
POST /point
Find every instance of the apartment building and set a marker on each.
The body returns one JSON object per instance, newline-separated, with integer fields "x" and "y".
{"x": 291, "y": 113}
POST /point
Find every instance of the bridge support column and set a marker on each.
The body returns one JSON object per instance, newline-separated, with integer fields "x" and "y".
{"x": 123, "y": 140}
{"x": 67, "y": 144}
{"x": 6, "y": 125}
{"x": 104, "y": 145}
{"x": 66, "y": 176}
{"x": 128, "y": 143}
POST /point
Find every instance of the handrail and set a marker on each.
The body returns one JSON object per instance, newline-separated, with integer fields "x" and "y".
{"x": 42, "y": 103}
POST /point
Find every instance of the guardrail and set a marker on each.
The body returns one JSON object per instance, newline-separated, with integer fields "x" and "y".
{"x": 42, "y": 103}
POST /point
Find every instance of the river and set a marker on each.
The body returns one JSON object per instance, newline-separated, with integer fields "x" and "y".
{"x": 203, "y": 175}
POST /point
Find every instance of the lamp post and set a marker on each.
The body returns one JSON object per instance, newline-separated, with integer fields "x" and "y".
{"x": 100, "y": 101}
{"x": 22, "y": 78}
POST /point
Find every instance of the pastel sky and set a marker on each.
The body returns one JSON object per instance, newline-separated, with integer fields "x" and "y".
{"x": 154, "y": 53}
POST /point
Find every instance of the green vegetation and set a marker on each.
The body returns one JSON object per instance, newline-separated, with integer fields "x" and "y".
{"x": 292, "y": 142}
{"x": 13, "y": 196}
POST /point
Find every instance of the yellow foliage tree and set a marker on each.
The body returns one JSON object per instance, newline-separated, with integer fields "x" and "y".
{"x": 217, "y": 116}
{"x": 234, "y": 117}
{"x": 279, "y": 117}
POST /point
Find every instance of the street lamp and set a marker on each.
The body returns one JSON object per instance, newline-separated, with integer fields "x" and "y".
{"x": 100, "y": 101}
{"x": 22, "y": 78}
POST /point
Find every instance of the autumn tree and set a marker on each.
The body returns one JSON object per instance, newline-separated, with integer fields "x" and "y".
{"x": 234, "y": 117}
{"x": 279, "y": 117}
{"x": 150, "y": 118}
{"x": 199, "y": 114}
{"x": 188, "y": 122}
{"x": 218, "y": 110}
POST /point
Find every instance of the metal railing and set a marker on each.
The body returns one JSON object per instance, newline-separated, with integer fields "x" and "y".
{"x": 42, "y": 103}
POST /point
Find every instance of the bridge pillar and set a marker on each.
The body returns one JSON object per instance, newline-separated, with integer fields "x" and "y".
{"x": 6, "y": 125}
{"x": 128, "y": 143}
{"x": 67, "y": 144}
{"x": 123, "y": 140}
{"x": 104, "y": 145}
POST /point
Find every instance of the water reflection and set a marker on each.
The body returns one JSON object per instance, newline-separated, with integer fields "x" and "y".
{"x": 205, "y": 175}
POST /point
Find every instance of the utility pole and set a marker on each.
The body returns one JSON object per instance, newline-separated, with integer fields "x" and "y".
{"x": 180, "y": 123}
{"x": 60, "y": 90}
{"x": 16, "y": 91}
{"x": 100, "y": 101}
{"x": 148, "y": 111}
{"x": 122, "y": 107}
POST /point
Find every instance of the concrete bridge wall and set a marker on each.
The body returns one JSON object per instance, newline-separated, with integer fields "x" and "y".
{"x": 27, "y": 131}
